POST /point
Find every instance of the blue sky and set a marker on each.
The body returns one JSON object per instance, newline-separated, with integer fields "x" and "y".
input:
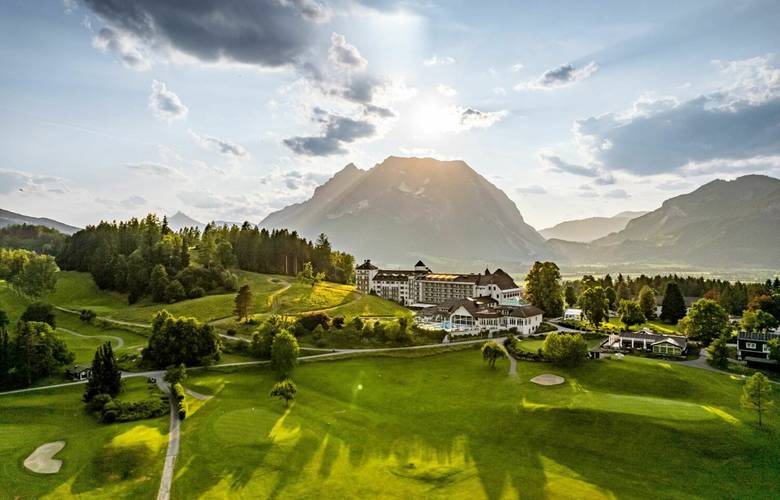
{"x": 231, "y": 109}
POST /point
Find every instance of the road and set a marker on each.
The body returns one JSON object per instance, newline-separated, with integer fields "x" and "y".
{"x": 164, "y": 492}
{"x": 119, "y": 342}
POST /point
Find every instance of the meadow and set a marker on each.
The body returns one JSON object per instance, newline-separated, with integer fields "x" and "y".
{"x": 446, "y": 426}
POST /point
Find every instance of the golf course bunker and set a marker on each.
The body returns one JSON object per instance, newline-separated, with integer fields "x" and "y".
{"x": 41, "y": 461}
{"x": 548, "y": 379}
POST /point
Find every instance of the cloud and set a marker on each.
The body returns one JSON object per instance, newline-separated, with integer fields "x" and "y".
{"x": 343, "y": 53}
{"x": 617, "y": 194}
{"x": 474, "y": 118}
{"x": 336, "y": 131}
{"x": 124, "y": 45}
{"x": 499, "y": 91}
{"x": 534, "y": 189}
{"x": 606, "y": 179}
{"x": 516, "y": 67}
{"x": 12, "y": 181}
{"x": 129, "y": 203}
{"x": 224, "y": 146}
{"x": 674, "y": 185}
{"x": 445, "y": 90}
{"x": 166, "y": 105}
{"x": 266, "y": 33}
{"x": 562, "y": 76}
{"x": 436, "y": 60}
{"x": 69, "y": 6}
{"x": 736, "y": 123}
{"x": 586, "y": 191}
{"x": 556, "y": 164}
{"x": 155, "y": 168}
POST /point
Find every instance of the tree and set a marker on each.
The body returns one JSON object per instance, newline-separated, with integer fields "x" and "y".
{"x": 612, "y": 297}
{"x": 175, "y": 374}
{"x": 263, "y": 337}
{"x": 719, "y": 352}
{"x": 570, "y": 295}
{"x": 492, "y": 352}
{"x": 706, "y": 320}
{"x": 243, "y": 303}
{"x": 106, "y": 377}
{"x": 565, "y": 349}
{"x": 285, "y": 390}
{"x": 158, "y": 282}
{"x": 181, "y": 340}
{"x": 307, "y": 274}
{"x": 623, "y": 293}
{"x": 284, "y": 353}
{"x": 40, "y": 311}
{"x": 757, "y": 394}
{"x": 543, "y": 288}
{"x": 630, "y": 313}
{"x": 37, "y": 276}
{"x": 594, "y": 305}
{"x": 774, "y": 349}
{"x": 758, "y": 321}
{"x": 175, "y": 292}
{"x": 733, "y": 298}
{"x": 673, "y": 307}
{"x": 647, "y": 302}
{"x": 37, "y": 352}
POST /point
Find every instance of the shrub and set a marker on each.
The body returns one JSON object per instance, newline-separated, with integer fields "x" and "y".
{"x": 41, "y": 312}
{"x": 565, "y": 349}
{"x": 178, "y": 391}
{"x": 338, "y": 322}
{"x": 311, "y": 321}
{"x": 182, "y": 410}
{"x": 174, "y": 292}
{"x": 196, "y": 292}
{"x": 87, "y": 315}
{"x": 98, "y": 403}
{"x": 117, "y": 411}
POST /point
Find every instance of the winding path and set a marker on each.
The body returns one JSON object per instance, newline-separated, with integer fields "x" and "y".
{"x": 164, "y": 493}
{"x": 119, "y": 341}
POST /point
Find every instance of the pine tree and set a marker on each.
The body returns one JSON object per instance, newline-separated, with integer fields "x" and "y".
{"x": 106, "y": 377}
{"x": 243, "y": 302}
{"x": 673, "y": 307}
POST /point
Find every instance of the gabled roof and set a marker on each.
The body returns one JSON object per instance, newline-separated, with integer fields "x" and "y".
{"x": 419, "y": 264}
{"x": 499, "y": 278}
{"x": 655, "y": 338}
{"x": 367, "y": 266}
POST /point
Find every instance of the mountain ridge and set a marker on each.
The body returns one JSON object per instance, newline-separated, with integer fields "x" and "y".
{"x": 8, "y": 218}
{"x": 589, "y": 229}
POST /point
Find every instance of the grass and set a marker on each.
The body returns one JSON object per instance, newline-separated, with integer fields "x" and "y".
{"x": 447, "y": 426}
{"x": 533, "y": 345}
{"x": 99, "y": 460}
{"x": 656, "y": 325}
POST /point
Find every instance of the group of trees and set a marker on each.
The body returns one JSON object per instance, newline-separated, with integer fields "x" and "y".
{"x": 565, "y": 349}
{"x": 28, "y": 273}
{"x": 177, "y": 341}
{"x": 543, "y": 288}
{"x": 39, "y": 239}
{"x": 34, "y": 352}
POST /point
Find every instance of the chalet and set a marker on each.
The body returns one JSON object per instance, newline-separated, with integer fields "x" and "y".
{"x": 648, "y": 341}
{"x": 420, "y": 287}
{"x": 481, "y": 313}
{"x": 79, "y": 372}
{"x": 754, "y": 346}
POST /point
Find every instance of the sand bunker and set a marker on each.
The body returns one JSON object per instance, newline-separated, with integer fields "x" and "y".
{"x": 548, "y": 379}
{"x": 42, "y": 461}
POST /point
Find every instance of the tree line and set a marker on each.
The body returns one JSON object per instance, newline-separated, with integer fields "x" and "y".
{"x": 145, "y": 258}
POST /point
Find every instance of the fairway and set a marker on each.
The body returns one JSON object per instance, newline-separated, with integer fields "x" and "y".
{"x": 446, "y": 426}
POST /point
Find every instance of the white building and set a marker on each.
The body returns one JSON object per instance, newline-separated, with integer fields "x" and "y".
{"x": 421, "y": 287}
{"x": 572, "y": 315}
{"x": 481, "y": 313}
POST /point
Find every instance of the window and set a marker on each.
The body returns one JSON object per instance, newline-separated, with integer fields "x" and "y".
{"x": 765, "y": 348}
{"x": 750, "y": 345}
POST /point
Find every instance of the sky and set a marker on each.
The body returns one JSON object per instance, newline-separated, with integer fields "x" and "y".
{"x": 231, "y": 109}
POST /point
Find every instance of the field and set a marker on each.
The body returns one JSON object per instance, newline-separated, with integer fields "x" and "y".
{"x": 99, "y": 460}
{"x": 656, "y": 325}
{"x": 446, "y": 426}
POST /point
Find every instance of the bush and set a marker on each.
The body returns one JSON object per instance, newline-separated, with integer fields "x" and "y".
{"x": 196, "y": 293}
{"x": 311, "y": 321}
{"x": 87, "y": 315}
{"x": 41, "y": 312}
{"x": 178, "y": 391}
{"x": 98, "y": 403}
{"x": 182, "y": 410}
{"x": 338, "y": 322}
{"x": 117, "y": 411}
{"x": 565, "y": 349}
{"x": 546, "y": 327}
{"x": 174, "y": 292}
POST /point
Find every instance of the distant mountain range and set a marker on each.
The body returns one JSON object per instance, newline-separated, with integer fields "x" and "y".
{"x": 8, "y": 218}
{"x": 592, "y": 228}
{"x": 404, "y": 209}
{"x": 722, "y": 224}
{"x": 180, "y": 220}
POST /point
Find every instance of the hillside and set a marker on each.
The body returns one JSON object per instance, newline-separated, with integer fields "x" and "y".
{"x": 408, "y": 208}
{"x": 733, "y": 224}
{"x": 8, "y": 218}
{"x": 589, "y": 229}
{"x": 180, "y": 220}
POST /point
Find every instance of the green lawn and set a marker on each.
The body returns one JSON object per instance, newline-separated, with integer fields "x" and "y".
{"x": 533, "y": 345}
{"x": 446, "y": 426}
{"x": 85, "y": 348}
{"x": 656, "y": 325}
{"x": 99, "y": 460}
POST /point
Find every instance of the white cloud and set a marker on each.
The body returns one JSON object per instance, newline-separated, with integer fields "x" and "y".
{"x": 223, "y": 146}
{"x": 446, "y": 90}
{"x": 533, "y": 189}
{"x": 15, "y": 181}
{"x": 562, "y": 76}
{"x": 125, "y": 45}
{"x": 158, "y": 169}
{"x": 166, "y": 105}
{"x": 345, "y": 54}
{"x": 436, "y": 60}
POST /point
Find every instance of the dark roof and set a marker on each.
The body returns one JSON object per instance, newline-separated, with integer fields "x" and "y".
{"x": 645, "y": 334}
{"x": 419, "y": 264}
{"x": 393, "y": 275}
{"x": 367, "y": 265}
{"x": 78, "y": 368}
{"x": 759, "y": 336}
{"x": 499, "y": 278}
{"x": 525, "y": 311}
{"x": 479, "y": 309}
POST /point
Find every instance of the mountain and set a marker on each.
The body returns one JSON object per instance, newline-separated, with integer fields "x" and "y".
{"x": 404, "y": 209}
{"x": 179, "y": 220}
{"x": 592, "y": 228}
{"x": 724, "y": 224}
{"x": 8, "y": 218}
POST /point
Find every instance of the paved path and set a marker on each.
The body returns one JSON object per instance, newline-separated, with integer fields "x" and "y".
{"x": 164, "y": 493}
{"x": 107, "y": 319}
{"x": 119, "y": 341}
{"x": 512, "y": 365}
